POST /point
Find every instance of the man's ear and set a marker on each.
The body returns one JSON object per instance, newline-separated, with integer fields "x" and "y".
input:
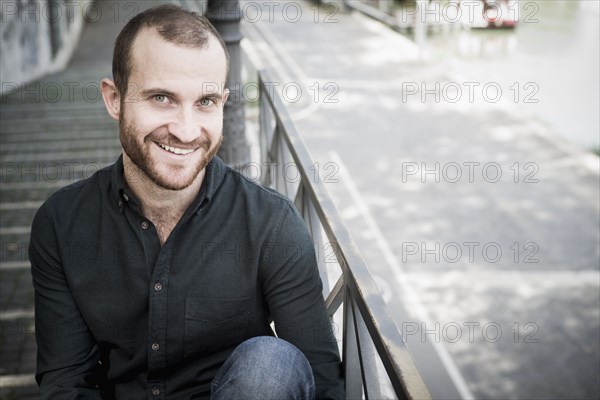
{"x": 225, "y": 95}
{"x": 111, "y": 97}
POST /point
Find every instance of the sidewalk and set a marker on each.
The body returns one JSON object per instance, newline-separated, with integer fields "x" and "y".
{"x": 479, "y": 225}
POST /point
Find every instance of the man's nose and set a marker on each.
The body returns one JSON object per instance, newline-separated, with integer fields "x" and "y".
{"x": 186, "y": 125}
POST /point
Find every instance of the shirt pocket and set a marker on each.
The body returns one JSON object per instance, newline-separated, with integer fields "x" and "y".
{"x": 212, "y": 325}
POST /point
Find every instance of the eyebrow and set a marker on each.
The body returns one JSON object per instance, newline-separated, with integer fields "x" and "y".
{"x": 153, "y": 91}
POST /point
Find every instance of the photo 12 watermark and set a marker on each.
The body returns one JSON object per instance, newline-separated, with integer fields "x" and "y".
{"x": 59, "y": 11}
{"x": 289, "y": 172}
{"x": 470, "y": 251}
{"x": 478, "y": 13}
{"x": 469, "y": 331}
{"x": 472, "y": 92}
{"x": 287, "y": 11}
{"x": 47, "y": 171}
{"x": 121, "y": 11}
{"x": 14, "y": 251}
{"x": 90, "y": 92}
{"x": 469, "y": 172}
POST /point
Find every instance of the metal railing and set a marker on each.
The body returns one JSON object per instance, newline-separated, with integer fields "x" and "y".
{"x": 377, "y": 9}
{"x": 376, "y": 361}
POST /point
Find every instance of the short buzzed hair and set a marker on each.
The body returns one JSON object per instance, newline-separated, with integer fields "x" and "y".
{"x": 174, "y": 24}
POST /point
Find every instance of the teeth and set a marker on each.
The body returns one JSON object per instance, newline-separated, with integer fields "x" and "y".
{"x": 175, "y": 149}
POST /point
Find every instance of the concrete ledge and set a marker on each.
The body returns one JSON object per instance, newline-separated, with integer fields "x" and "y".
{"x": 26, "y": 33}
{"x": 14, "y": 381}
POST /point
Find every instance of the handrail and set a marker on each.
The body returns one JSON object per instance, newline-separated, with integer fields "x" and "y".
{"x": 368, "y": 327}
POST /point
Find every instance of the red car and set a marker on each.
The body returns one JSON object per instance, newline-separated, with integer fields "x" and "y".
{"x": 490, "y": 13}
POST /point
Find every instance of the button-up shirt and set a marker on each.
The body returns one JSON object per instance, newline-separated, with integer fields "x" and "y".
{"x": 120, "y": 316}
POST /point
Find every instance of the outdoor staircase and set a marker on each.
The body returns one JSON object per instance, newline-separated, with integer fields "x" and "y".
{"x": 52, "y": 133}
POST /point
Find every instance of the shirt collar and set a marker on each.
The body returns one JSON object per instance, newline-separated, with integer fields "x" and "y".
{"x": 213, "y": 178}
{"x": 214, "y": 174}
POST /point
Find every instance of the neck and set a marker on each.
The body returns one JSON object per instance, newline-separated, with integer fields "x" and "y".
{"x": 156, "y": 201}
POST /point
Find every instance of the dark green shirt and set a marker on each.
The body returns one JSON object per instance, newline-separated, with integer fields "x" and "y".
{"x": 115, "y": 310}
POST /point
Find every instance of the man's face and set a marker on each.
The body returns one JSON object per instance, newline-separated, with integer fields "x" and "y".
{"x": 172, "y": 115}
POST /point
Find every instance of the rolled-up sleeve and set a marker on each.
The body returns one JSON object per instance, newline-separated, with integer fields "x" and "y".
{"x": 67, "y": 357}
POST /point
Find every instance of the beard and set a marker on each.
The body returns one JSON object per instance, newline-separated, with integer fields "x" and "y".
{"x": 171, "y": 177}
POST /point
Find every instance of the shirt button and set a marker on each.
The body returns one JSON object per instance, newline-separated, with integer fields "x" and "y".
{"x": 145, "y": 225}
{"x": 158, "y": 286}
{"x": 155, "y": 391}
{"x": 155, "y": 346}
{"x": 125, "y": 197}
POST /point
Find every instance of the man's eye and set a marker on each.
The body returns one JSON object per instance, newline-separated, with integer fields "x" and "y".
{"x": 161, "y": 98}
{"x": 206, "y": 102}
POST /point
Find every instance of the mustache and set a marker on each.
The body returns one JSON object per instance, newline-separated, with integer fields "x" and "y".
{"x": 173, "y": 141}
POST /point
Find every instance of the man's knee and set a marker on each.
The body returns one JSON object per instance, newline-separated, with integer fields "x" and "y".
{"x": 265, "y": 367}
{"x": 270, "y": 349}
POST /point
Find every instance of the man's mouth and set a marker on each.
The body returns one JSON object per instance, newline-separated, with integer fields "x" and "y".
{"x": 175, "y": 150}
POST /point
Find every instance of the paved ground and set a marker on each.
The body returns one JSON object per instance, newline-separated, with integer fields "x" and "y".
{"x": 480, "y": 226}
{"x": 528, "y": 319}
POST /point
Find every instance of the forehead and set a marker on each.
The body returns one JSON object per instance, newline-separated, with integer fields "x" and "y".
{"x": 158, "y": 62}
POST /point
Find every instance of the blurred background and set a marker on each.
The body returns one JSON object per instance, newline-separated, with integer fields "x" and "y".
{"x": 458, "y": 139}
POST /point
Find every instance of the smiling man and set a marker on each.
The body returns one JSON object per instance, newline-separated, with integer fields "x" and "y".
{"x": 159, "y": 276}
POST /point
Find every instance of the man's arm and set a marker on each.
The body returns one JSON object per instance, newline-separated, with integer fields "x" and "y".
{"x": 67, "y": 357}
{"x": 293, "y": 291}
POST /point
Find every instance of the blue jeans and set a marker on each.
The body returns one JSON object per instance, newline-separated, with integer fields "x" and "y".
{"x": 264, "y": 368}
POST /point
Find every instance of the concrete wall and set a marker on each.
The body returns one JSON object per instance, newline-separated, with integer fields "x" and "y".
{"x": 38, "y": 37}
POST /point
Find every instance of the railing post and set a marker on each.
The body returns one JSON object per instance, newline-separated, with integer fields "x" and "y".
{"x": 351, "y": 359}
{"x": 226, "y": 15}
{"x": 266, "y": 133}
{"x": 367, "y": 354}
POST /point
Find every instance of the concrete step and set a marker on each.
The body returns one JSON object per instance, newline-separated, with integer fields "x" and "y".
{"x": 20, "y": 215}
{"x": 18, "y": 350}
{"x": 14, "y": 113}
{"x": 63, "y": 119}
{"x": 74, "y": 128}
{"x": 18, "y": 387}
{"x": 65, "y": 155}
{"x": 47, "y": 136}
{"x": 84, "y": 143}
{"x": 16, "y": 294}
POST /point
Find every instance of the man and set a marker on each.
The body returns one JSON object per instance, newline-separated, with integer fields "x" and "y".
{"x": 158, "y": 277}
